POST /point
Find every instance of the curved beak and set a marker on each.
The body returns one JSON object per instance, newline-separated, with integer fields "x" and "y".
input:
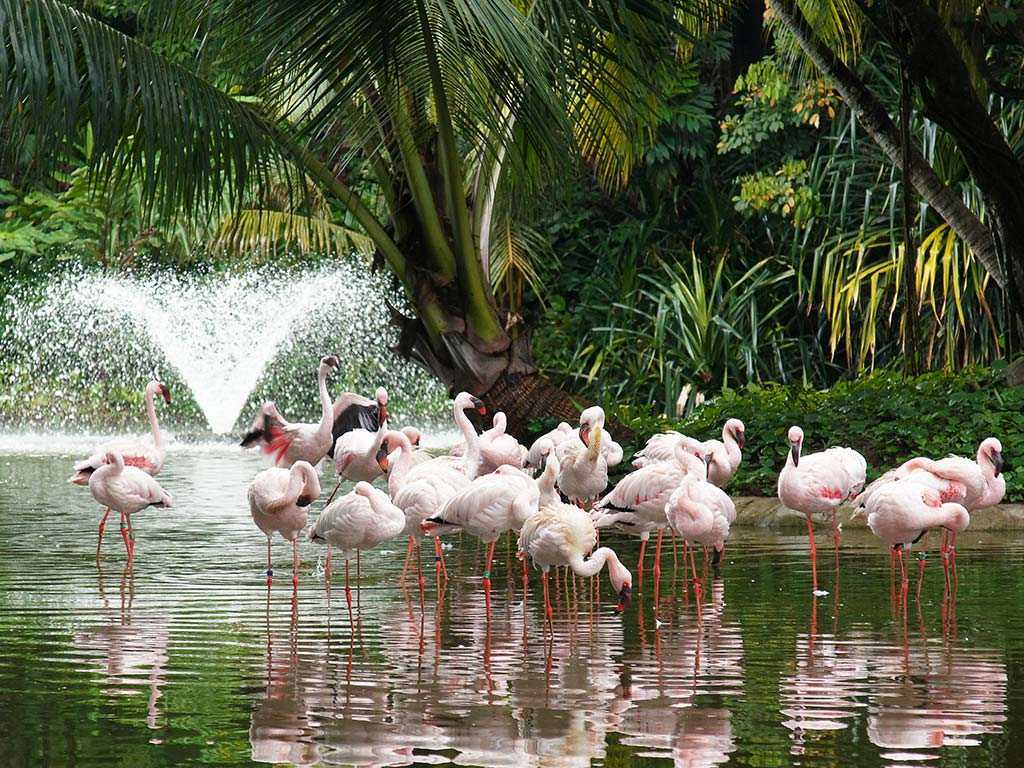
{"x": 625, "y": 596}
{"x": 480, "y": 407}
{"x": 585, "y": 436}
{"x": 795, "y": 452}
{"x": 997, "y": 462}
{"x": 332, "y": 361}
{"x": 741, "y": 439}
{"x": 382, "y": 457}
{"x": 165, "y": 392}
{"x": 707, "y": 458}
{"x": 382, "y": 413}
{"x": 303, "y": 501}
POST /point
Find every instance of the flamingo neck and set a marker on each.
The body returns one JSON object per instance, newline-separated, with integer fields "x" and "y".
{"x": 327, "y": 413}
{"x": 546, "y": 482}
{"x": 592, "y": 565}
{"x": 732, "y": 448}
{"x": 390, "y": 519}
{"x": 471, "y": 459}
{"x": 402, "y": 465}
{"x": 158, "y": 439}
{"x": 378, "y": 439}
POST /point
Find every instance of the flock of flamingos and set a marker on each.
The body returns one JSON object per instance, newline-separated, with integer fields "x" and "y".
{"x": 491, "y": 484}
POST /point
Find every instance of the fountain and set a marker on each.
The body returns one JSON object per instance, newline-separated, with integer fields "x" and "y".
{"x": 76, "y": 351}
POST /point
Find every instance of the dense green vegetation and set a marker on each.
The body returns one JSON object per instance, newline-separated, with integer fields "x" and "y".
{"x": 667, "y": 200}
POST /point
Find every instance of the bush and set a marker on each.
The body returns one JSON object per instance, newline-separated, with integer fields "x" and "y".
{"x": 886, "y": 417}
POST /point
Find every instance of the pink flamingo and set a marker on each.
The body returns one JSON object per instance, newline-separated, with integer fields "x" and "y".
{"x": 990, "y": 459}
{"x": 128, "y": 490}
{"x": 352, "y": 411}
{"x": 726, "y": 454}
{"x": 819, "y": 483}
{"x": 279, "y": 501}
{"x": 638, "y": 501}
{"x": 137, "y": 452}
{"x": 900, "y": 513}
{"x": 286, "y": 443}
{"x": 361, "y": 519}
{"x": 560, "y": 534}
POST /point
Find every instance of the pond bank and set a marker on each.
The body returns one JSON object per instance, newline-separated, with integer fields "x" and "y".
{"x": 764, "y": 512}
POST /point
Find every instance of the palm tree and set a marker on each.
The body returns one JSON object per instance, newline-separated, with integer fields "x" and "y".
{"x": 418, "y": 119}
{"x": 958, "y": 58}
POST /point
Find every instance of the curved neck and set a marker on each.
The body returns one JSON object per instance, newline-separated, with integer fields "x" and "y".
{"x": 546, "y": 482}
{"x": 390, "y": 518}
{"x": 327, "y": 415}
{"x": 401, "y": 467}
{"x": 158, "y": 439}
{"x": 593, "y": 564}
{"x": 296, "y": 482}
{"x": 732, "y": 448}
{"x": 378, "y": 438}
{"x": 471, "y": 460}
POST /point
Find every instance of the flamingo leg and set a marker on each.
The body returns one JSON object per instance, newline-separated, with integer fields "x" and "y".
{"x": 439, "y": 566}
{"x": 103, "y": 526}
{"x": 270, "y": 567}
{"x": 952, "y": 560}
{"x": 675, "y": 562}
{"x": 814, "y": 554}
{"x": 348, "y": 595}
{"x": 657, "y": 569}
{"x": 419, "y": 567}
{"x": 548, "y": 611}
{"x": 640, "y": 564}
{"x": 131, "y": 539}
{"x": 903, "y": 575}
{"x": 295, "y": 562}
{"x": 487, "y": 574}
{"x": 408, "y": 557}
{"x": 920, "y": 578}
{"x": 697, "y": 589}
{"x": 336, "y": 487}
{"x": 327, "y": 568}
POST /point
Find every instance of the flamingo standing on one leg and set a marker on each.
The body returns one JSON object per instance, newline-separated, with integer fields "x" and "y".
{"x": 127, "y": 490}
{"x": 361, "y": 519}
{"x": 818, "y": 483}
{"x": 148, "y": 455}
{"x": 900, "y": 513}
{"x": 561, "y": 534}
{"x": 638, "y": 501}
{"x": 279, "y": 500}
{"x": 286, "y": 443}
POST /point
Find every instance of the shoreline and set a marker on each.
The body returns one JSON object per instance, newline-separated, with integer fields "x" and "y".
{"x": 769, "y": 512}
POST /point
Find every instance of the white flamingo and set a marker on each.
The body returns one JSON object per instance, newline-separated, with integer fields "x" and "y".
{"x": 819, "y": 483}
{"x": 361, "y": 519}
{"x": 900, "y": 513}
{"x": 286, "y": 443}
{"x": 561, "y": 534}
{"x": 356, "y": 454}
{"x": 556, "y": 436}
{"x": 590, "y": 419}
{"x": 584, "y": 468}
{"x": 127, "y": 490}
{"x": 990, "y": 459}
{"x": 638, "y": 501}
{"x": 726, "y": 454}
{"x": 279, "y": 501}
{"x": 700, "y": 513}
{"x": 145, "y": 454}
{"x": 497, "y": 447}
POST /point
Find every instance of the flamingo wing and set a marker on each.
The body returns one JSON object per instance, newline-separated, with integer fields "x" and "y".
{"x": 352, "y": 411}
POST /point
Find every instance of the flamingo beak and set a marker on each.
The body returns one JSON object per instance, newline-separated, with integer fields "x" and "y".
{"x": 382, "y": 413}
{"x": 303, "y": 501}
{"x": 997, "y": 462}
{"x": 795, "y": 451}
{"x": 741, "y": 439}
{"x": 480, "y": 407}
{"x": 625, "y": 596}
{"x": 332, "y": 361}
{"x": 165, "y": 392}
{"x": 382, "y": 458}
{"x": 585, "y": 436}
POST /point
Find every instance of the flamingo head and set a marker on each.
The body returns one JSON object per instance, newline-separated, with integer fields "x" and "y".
{"x": 738, "y": 431}
{"x": 465, "y": 402}
{"x": 544, "y": 447}
{"x": 958, "y": 517}
{"x": 363, "y": 489}
{"x": 156, "y": 387}
{"x": 796, "y": 442}
{"x": 328, "y": 362}
{"x": 341, "y": 461}
{"x": 590, "y": 418}
{"x": 622, "y": 583}
{"x": 413, "y": 434}
{"x": 991, "y": 450}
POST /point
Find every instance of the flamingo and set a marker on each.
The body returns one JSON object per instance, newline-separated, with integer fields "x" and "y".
{"x": 701, "y": 513}
{"x": 639, "y": 499}
{"x": 128, "y": 490}
{"x": 286, "y": 443}
{"x": 279, "y": 500}
{"x": 990, "y": 459}
{"x": 561, "y": 433}
{"x": 497, "y": 447}
{"x": 819, "y": 483}
{"x": 590, "y": 419}
{"x": 561, "y": 534}
{"x": 726, "y": 454}
{"x": 900, "y": 513}
{"x": 361, "y": 519}
{"x": 147, "y": 456}
{"x": 351, "y": 411}
{"x": 584, "y": 469}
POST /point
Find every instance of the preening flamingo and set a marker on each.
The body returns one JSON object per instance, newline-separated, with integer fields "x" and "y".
{"x": 584, "y": 469}
{"x": 147, "y": 455}
{"x": 127, "y": 490}
{"x": 286, "y": 443}
{"x": 562, "y": 534}
{"x": 279, "y": 501}
{"x": 361, "y": 519}
{"x": 726, "y": 454}
{"x": 901, "y": 512}
{"x": 496, "y": 446}
{"x": 700, "y": 513}
{"x": 819, "y": 483}
{"x": 638, "y": 501}
{"x": 352, "y": 411}
{"x": 590, "y": 419}
{"x": 554, "y": 437}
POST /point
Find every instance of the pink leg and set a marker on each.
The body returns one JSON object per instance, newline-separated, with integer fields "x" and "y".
{"x": 408, "y": 557}
{"x": 814, "y": 554}
{"x": 327, "y": 568}
{"x": 657, "y": 569}
{"x": 548, "y": 611}
{"x": 103, "y": 526}
{"x": 131, "y": 540}
{"x": 697, "y": 589}
{"x": 295, "y": 563}
{"x": 270, "y": 567}
{"x": 640, "y": 565}
{"x": 487, "y": 573}
{"x": 348, "y": 596}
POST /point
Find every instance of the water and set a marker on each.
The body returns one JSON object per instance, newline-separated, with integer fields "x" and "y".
{"x": 188, "y": 660}
{"x": 80, "y": 349}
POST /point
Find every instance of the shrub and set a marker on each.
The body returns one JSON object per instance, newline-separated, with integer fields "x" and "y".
{"x": 886, "y": 417}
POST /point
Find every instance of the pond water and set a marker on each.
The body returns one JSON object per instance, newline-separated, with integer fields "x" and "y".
{"x": 188, "y": 659}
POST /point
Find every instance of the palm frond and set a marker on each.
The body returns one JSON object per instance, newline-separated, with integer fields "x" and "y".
{"x": 266, "y": 232}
